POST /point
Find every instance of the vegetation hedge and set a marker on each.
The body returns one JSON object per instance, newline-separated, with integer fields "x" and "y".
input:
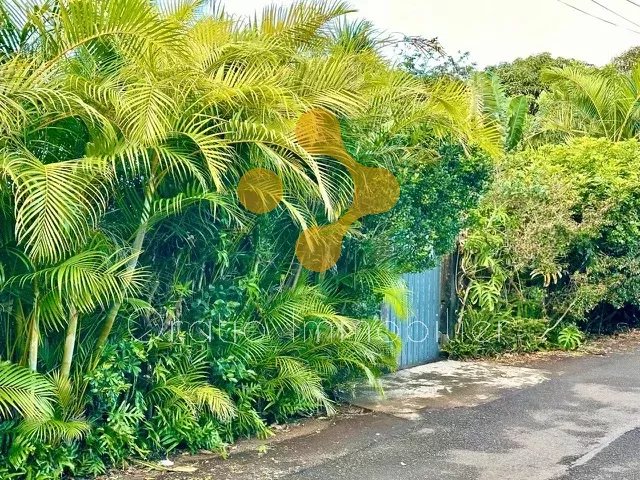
{"x": 142, "y": 309}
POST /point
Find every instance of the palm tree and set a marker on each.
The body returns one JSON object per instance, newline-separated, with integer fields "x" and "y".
{"x": 172, "y": 132}
{"x": 599, "y": 103}
{"x": 120, "y": 119}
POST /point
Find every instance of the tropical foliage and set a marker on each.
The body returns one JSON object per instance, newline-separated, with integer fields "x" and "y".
{"x": 596, "y": 103}
{"x": 552, "y": 248}
{"x": 143, "y": 309}
{"x": 554, "y": 244}
{"x": 526, "y": 76}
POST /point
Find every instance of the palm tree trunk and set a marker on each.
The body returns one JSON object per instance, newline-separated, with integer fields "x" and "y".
{"x": 136, "y": 251}
{"x": 69, "y": 343}
{"x": 34, "y": 337}
{"x": 115, "y": 307}
{"x": 20, "y": 348}
{"x": 34, "y": 332}
{"x": 296, "y": 279}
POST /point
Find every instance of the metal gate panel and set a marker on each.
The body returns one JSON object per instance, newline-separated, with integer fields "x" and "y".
{"x": 420, "y": 331}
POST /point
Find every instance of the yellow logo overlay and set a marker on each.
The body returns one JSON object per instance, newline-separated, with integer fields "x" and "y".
{"x": 376, "y": 190}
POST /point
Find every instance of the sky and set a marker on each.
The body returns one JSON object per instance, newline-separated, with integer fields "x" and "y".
{"x": 501, "y": 30}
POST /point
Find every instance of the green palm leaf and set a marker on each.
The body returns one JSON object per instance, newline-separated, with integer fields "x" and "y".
{"x": 51, "y": 196}
{"x": 24, "y": 392}
{"x": 518, "y": 108}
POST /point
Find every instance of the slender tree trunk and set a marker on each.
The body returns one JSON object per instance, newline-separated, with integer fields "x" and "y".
{"x": 296, "y": 279}
{"x": 34, "y": 337}
{"x": 136, "y": 251}
{"x": 69, "y": 343}
{"x": 115, "y": 307}
{"x": 34, "y": 332}
{"x": 20, "y": 348}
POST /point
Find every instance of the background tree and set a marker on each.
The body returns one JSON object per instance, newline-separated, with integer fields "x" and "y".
{"x": 627, "y": 61}
{"x": 524, "y": 76}
{"x": 426, "y": 57}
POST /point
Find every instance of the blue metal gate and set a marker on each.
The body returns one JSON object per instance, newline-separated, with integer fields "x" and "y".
{"x": 420, "y": 331}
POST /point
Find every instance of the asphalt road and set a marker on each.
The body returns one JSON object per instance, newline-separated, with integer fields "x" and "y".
{"x": 581, "y": 423}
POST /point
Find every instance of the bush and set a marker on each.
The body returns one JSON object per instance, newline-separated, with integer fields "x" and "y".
{"x": 556, "y": 237}
{"x": 481, "y": 335}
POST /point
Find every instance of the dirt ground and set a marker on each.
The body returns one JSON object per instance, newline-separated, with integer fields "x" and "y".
{"x": 187, "y": 465}
{"x": 598, "y": 345}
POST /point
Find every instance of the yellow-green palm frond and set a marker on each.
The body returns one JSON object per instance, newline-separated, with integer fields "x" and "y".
{"x": 358, "y": 36}
{"x": 304, "y": 307}
{"x": 210, "y": 41}
{"x": 65, "y": 423}
{"x": 206, "y": 143}
{"x": 221, "y": 205}
{"x": 279, "y": 149}
{"x": 604, "y": 104}
{"x": 333, "y": 83}
{"x": 188, "y": 393}
{"x": 396, "y": 295}
{"x": 135, "y": 27}
{"x": 146, "y": 112}
{"x": 448, "y": 108}
{"x": 180, "y": 11}
{"x": 90, "y": 279}
{"x": 297, "y": 25}
{"x": 30, "y": 96}
{"x": 232, "y": 89}
{"x": 451, "y": 111}
{"x": 53, "y": 430}
{"x": 293, "y": 375}
{"x": 24, "y": 392}
{"x": 592, "y": 93}
{"x": 51, "y": 196}
{"x": 186, "y": 388}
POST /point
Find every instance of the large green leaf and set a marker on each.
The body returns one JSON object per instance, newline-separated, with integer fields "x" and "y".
{"x": 518, "y": 108}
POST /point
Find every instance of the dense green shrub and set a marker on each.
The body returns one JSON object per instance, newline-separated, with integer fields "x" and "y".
{"x": 200, "y": 392}
{"x": 488, "y": 334}
{"x": 436, "y": 196}
{"x": 556, "y": 240}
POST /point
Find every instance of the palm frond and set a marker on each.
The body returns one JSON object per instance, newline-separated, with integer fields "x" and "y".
{"x": 24, "y": 392}
{"x": 298, "y": 24}
{"x": 51, "y": 195}
{"x": 53, "y": 430}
